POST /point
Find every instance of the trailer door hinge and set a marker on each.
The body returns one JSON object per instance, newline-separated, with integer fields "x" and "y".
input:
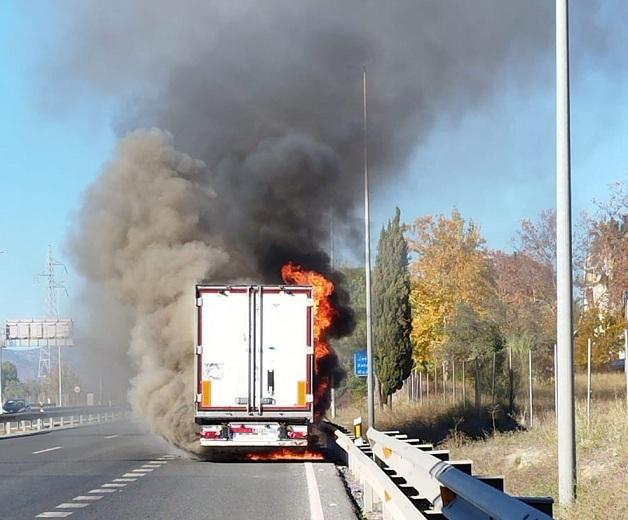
{"x": 198, "y": 398}
{"x": 199, "y": 302}
{"x": 310, "y": 302}
{"x": 309, "y": 350}
{"x": 199, "y": 349}
{"x": 309, "y": 398}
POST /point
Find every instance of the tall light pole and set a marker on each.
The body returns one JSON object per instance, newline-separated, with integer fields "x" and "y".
{"x": 370, "y": 381}
{"x": 564, "y": 287}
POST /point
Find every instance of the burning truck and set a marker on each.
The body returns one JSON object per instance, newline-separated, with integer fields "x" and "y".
{"x": 260, "y": 357}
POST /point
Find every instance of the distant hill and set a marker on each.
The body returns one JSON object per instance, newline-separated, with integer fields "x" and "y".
{"x": 26, "y": 362}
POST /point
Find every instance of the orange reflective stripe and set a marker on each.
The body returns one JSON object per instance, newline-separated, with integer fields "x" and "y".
{"x": 206, "y": 393}
{"x": 301, "y": 391}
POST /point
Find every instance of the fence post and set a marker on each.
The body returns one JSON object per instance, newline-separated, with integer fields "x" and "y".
{"x": 493, "y": 383}
{"x": 588, "y": 383}
{"x": 427, "y": 384}
{"x": 453, "y": 379}
{"x": 464, "y": 388}
{"x": 555, "y": 381}
{"x": 511, "y": 383}
{"x": 530, "y": 383}
{"x": 444, "y": 396}
{"x": 421, "y": 386}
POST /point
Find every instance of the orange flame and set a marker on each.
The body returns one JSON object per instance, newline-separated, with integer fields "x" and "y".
{"x": 324, "y": 315}
{"x": 286, "y": 454}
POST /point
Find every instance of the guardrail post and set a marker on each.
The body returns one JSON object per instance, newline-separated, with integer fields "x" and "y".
{"x": 368, "y": 497}
{"x": 61, "y": 422}
{"x": 38, "y": 424}
{"x": 23, "y": 423}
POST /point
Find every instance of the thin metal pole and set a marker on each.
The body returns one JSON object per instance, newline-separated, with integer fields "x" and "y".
{"x": 60, "y": 372}
{"x": 367, "y": 265}
{"x": 555, "y": 382}
{"x": 464, "y": 388}
{"x": 421, "y": 387}
{"x": 493, "y": 383}
{"x": 444, "y": 396}
{"x": 331, "y": 261}
{"x": 427, "y": 385}
{"x": 564, "y": 284}
{"x": 626, "y": 358}
{"x": 453, "y": 380}
{"x": 511, "y": 382}
{"x": 588, "y": 383}
{"x": 530, "y": 384}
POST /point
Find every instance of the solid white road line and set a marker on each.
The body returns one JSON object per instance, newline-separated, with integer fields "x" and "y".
{"x": 143, "y": 469}
{"x": 99, "y": 490}
{"x": 158, "y": 462}
{"x": 113, "y": 485}
{"x": 72, "y": 505}
{"x": 48, "y": 449}
{"x": 134, "y": 474}
{"x": 112, "y": 436}
{"x": 316, "y": 508}
{"x": 124, "y": 480}
{"x": 84, "y": 497}
{"x": 54, "y": 514}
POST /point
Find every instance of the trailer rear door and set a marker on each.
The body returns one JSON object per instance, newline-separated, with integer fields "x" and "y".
{"x": 254, "y": 351}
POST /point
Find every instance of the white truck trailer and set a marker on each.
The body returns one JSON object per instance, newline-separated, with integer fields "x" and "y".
{"x": 254, "y": 365}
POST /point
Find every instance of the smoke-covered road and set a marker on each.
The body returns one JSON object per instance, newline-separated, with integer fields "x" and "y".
{"x": 118, "y": 471}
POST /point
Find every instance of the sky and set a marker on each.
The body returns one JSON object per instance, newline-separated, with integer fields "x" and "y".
{"x": 51, "y": 154}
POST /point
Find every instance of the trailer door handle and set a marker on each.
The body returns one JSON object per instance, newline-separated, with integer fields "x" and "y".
{"x": 270, "y": 379}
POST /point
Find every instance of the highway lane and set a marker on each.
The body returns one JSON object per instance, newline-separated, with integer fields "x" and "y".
{"x": 117, "y": 470}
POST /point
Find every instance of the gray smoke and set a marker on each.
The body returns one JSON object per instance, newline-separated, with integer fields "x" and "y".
{"x": 269, "y": 96}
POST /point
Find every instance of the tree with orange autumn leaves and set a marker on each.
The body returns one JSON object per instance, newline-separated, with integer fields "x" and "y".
{"x": 450, "y": 266}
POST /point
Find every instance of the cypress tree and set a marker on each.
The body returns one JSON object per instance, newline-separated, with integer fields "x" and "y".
{"x": 392, "y": 320}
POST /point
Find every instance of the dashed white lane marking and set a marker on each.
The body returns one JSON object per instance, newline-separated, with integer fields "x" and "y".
{"x": 72, "y": 505}
{"x": 54, "y": 514}
{"x": 112, "y": 436}
{"x": 316, "y": 508}
{"x": 114, "y": 485}
{"x": 124, "y": 480}
{"x": 142, "y": 469}
{"x": 99, "y": 490}
{"x": 85, "y": 497}
{"x": 134, "y": 474}
{"x": 158, "y": 462}
{"x": 48, "y": 449}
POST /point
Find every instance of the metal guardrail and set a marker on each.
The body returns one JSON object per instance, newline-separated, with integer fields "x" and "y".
{"x": 454, "y": 493}
{"x": 25, "y": 422}
{"x": 377, "y": 486}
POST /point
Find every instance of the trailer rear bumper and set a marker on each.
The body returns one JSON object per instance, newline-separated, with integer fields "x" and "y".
{"x": 248, "y": 443}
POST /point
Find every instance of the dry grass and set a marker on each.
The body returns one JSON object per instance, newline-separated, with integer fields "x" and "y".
{"x": 527, "y": 457}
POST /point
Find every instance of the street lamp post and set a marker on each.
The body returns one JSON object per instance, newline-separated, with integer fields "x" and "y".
{"x": 367, "y": 265}
{"x": 564, "y": 286}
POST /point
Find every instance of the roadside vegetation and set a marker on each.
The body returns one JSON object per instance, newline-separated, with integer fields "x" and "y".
{"x": 481, "y": 328}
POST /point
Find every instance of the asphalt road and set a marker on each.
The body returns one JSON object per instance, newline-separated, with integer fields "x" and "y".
{"x": 118, "y": 471}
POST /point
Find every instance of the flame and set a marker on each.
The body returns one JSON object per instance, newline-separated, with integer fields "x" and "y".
{"x": 324, "y": 315}
{"x": 286, "y": 454}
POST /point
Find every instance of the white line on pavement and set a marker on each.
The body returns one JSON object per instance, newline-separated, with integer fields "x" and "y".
{"x": 48, "y": 449}
{"x": 134, "y": 474}
{"x": 316, "y": 508}
{"x": 158, "y": 462}
{"x": 84, "y": 497}
{"x": 112, "y": 436}
{"x": 99, "y": 490}
{"x": 54, "y": 514}
{"x": 113, "y": 485}
{"x": 124, "y": 480}
{"x": 142, "y": 469}
{"x": 72, "y": 505}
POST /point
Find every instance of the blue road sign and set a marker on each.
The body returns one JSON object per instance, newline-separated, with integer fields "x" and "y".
{"x": 360, "y": 364}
